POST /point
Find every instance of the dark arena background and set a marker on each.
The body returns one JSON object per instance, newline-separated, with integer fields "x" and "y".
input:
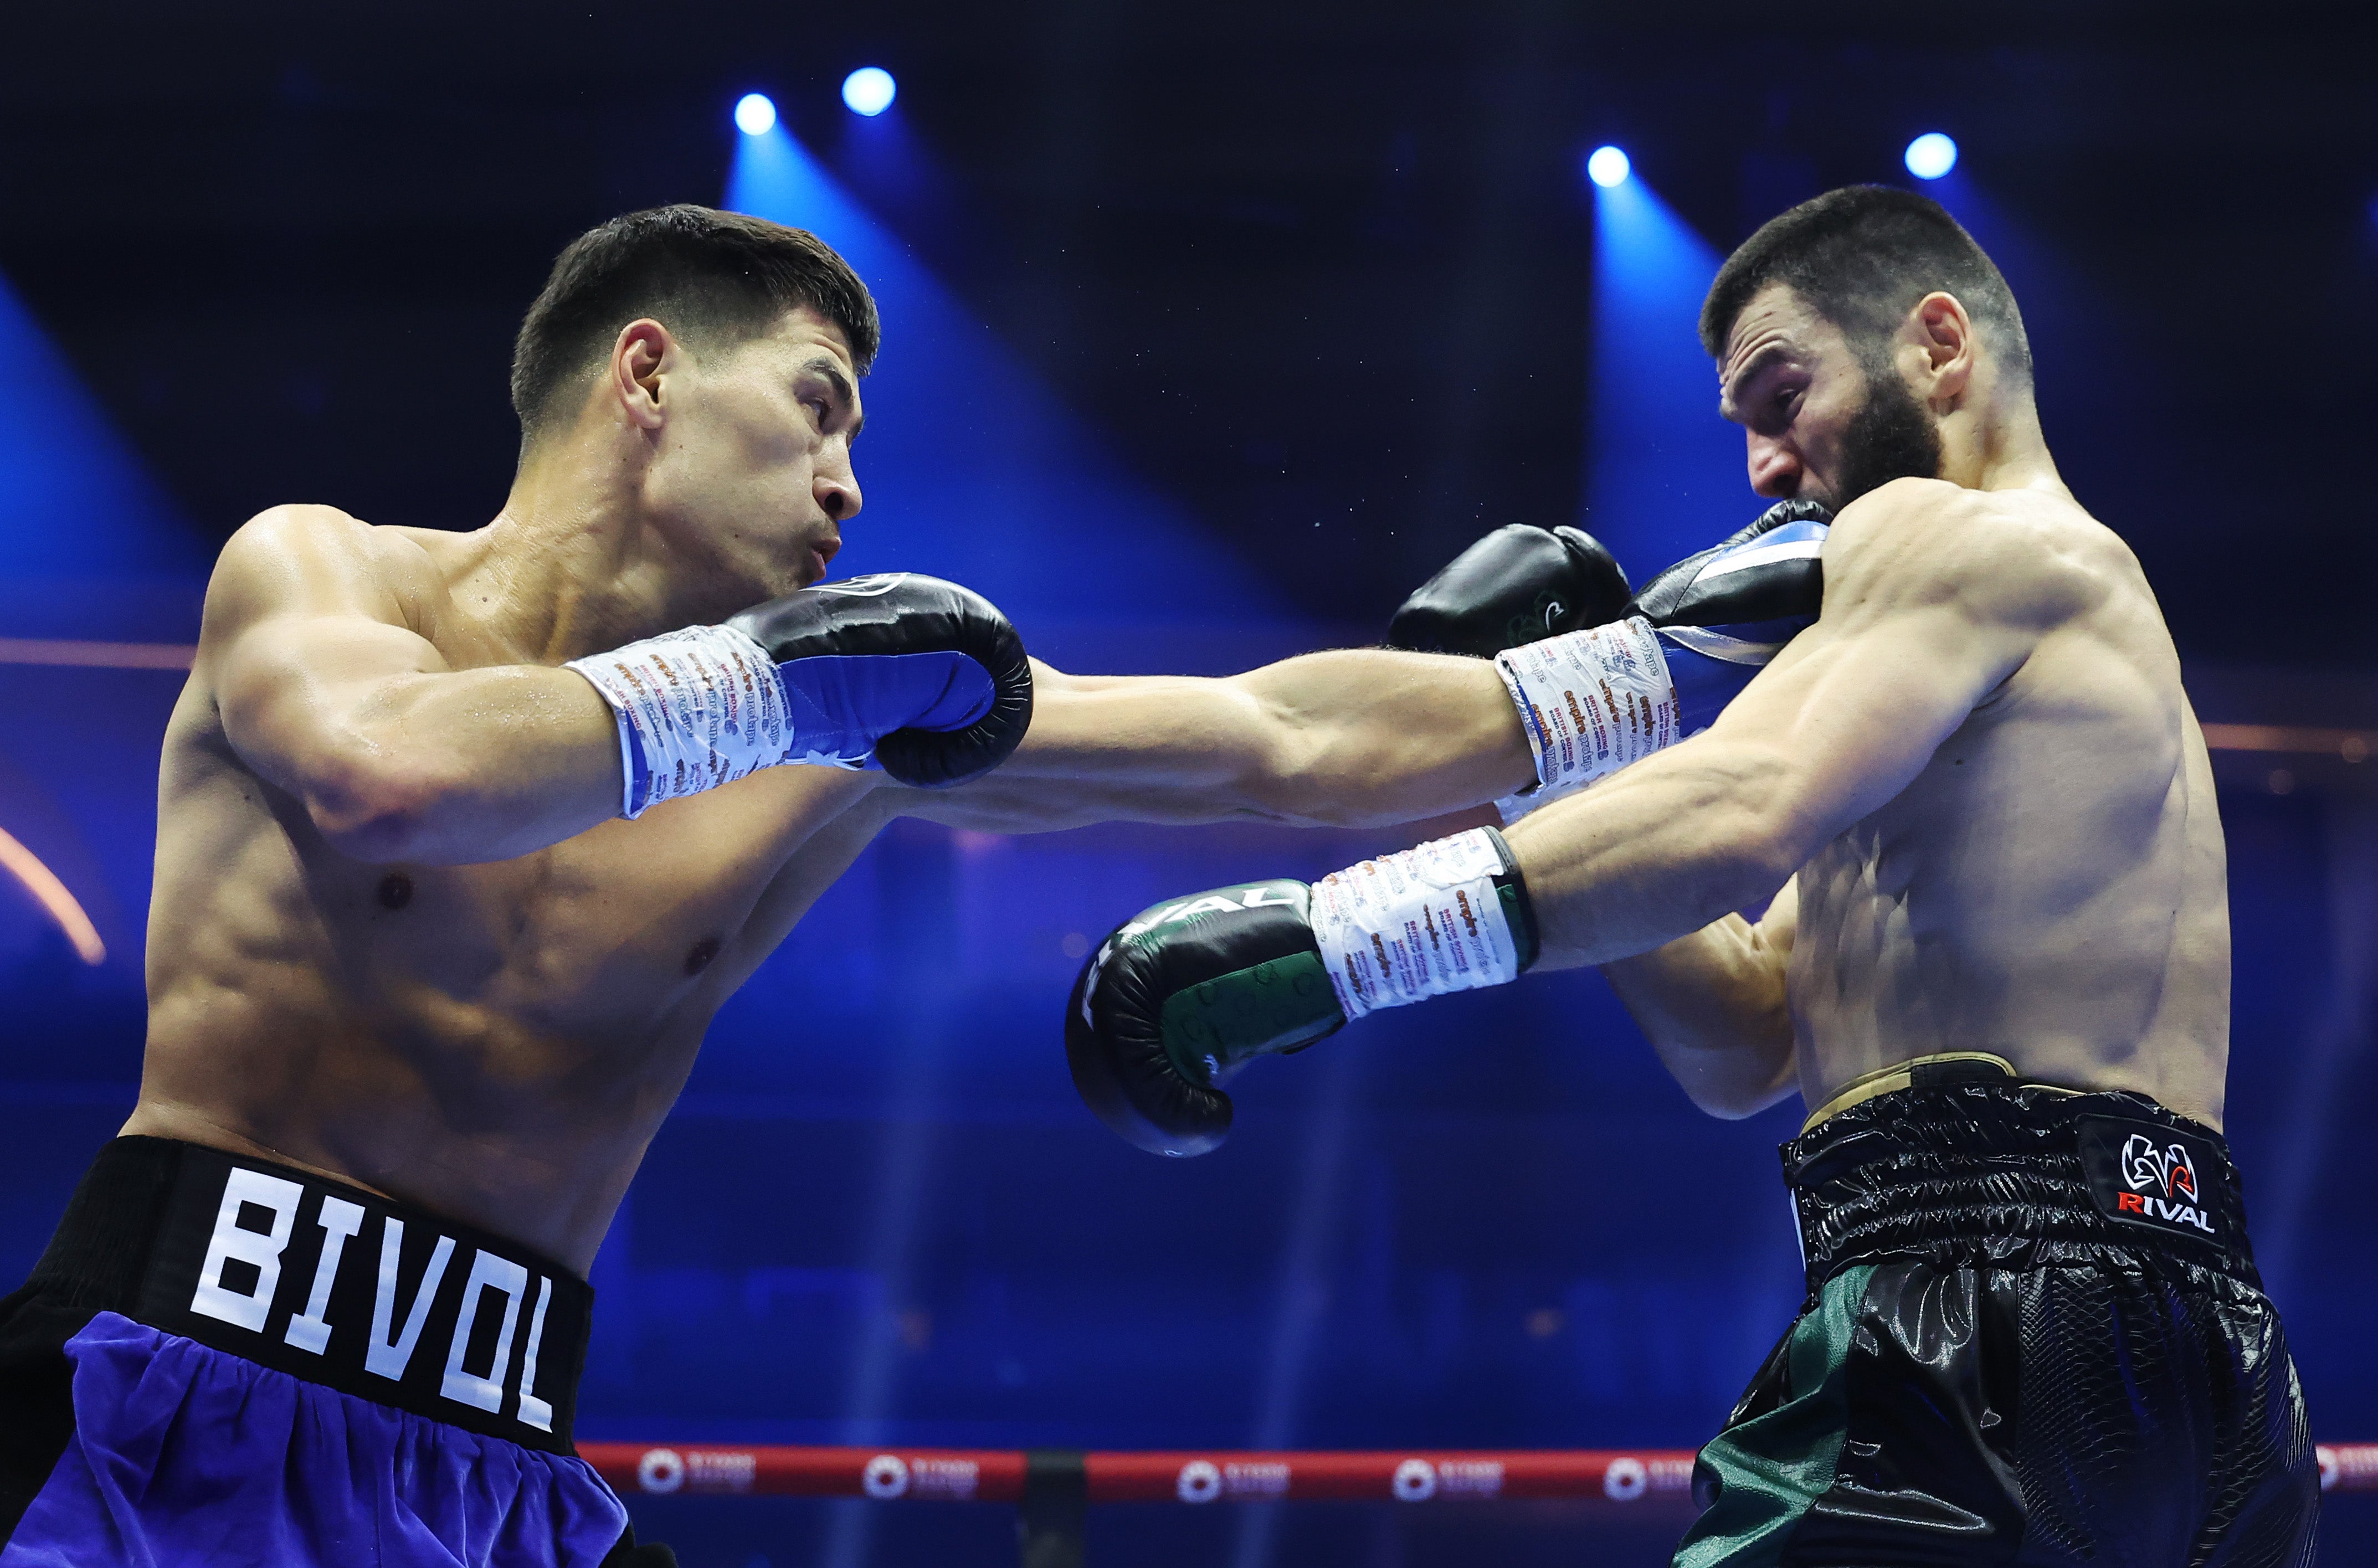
{"x": 1210, "y": 331}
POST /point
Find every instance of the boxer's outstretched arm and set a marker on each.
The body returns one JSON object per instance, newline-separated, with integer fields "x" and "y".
{"x": 327, "y": 692}
{"x": 1713, "y": 1005}
{"x": 1350, "y": 738}
{"x": 1934, "y": 595}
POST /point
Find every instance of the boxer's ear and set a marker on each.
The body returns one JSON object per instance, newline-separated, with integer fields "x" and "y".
{"x": 641, "y": 358}
{"x": 1944, "y": 334}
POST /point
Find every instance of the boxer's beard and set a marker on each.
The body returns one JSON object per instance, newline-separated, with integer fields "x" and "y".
{"x": 1891, "y": 438}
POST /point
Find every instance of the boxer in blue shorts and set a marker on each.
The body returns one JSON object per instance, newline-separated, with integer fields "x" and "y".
{"x": 465, "y": 836}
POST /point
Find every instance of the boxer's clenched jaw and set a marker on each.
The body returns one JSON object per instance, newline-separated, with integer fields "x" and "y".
{"x": 1823, "y": 419}
{"x": 1891, "y": 438}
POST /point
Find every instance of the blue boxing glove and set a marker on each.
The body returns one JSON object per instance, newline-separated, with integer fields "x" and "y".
{"x": 920, "y": 677}
{"x": 1593, "y": 700}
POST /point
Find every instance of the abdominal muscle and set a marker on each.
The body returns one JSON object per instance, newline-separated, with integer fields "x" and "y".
{"x": 495, "y": 1043}
{"x": 2050, "y": 890}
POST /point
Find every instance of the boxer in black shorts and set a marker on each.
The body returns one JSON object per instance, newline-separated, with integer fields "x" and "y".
{"x": 1976, "y": 812}
{"x": 2034, "y": 1333}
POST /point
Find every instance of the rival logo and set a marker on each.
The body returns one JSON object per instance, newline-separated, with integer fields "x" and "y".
{"x": 2163, "y": 1183}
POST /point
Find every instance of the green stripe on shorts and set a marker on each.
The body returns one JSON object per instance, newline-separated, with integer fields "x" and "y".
{"x": 1771, "y": 1467}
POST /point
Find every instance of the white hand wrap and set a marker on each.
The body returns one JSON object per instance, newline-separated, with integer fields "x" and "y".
{"x": 697, "y": 709}
{"x": 1591, "y": 701}
{"x": 1414, "y": 925}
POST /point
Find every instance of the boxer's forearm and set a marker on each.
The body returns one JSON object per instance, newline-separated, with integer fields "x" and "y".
{"x": 1350, "y": 738}
{"x": 451, "y": 768}
{"x": 1655, "y": 852}
{"x": 507, "y": 760}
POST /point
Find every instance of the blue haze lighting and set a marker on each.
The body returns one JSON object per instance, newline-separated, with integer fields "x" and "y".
{"x": 978, "y": 474}
{"x": 1022, "y": 507}
{"x": 1668, "y": 476}
{"x": 79, "y": 501}
{"x": 1931, "y": 155}
{"x": 1607, "y": 167}
{"x": 868, "y": 91}
{"x": 754, "y": 114}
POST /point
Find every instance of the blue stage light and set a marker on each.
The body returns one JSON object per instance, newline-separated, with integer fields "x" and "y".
{"x": 868, "y": 91}
{"x": 1607, "y": 167}
{"x": 1931, "y": 155}
{"x": 754, "y": 116}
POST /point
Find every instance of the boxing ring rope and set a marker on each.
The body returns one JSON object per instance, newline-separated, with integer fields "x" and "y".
{"x": 1050, "y": 1486}
{"x": 971, "y": 1475}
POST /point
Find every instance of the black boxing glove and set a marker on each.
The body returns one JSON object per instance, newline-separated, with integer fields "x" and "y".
{"x": 1519, "y": 585}
{"x": 1724, "y": 613}
{"x": 909, "y": 674}
{"x": 1178, "y": 998}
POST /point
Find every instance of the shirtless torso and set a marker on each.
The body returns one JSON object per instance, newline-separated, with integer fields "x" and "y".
{"x": 498, "y": 1039}
{"x": 495, "y": 1041}
{"x": 2051, "y": 888}
{"x": 1979, "y": 766}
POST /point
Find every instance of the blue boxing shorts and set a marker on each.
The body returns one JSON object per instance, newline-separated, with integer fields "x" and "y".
{"x": 223, "y": 1361}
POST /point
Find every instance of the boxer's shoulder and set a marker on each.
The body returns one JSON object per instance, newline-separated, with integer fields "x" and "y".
{"x": 307, "y": 559}
{"x": 2028, "y": 558}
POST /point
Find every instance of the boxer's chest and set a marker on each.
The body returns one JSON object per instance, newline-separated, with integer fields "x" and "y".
{"x": 605, "y": 929}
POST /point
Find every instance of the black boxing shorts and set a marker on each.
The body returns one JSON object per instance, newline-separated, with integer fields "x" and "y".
{"x": 226, "y": 1361}
{"x": 2034, "y": 1334}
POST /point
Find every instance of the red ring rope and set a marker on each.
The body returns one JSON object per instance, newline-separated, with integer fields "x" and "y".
{"x": 1651, "y": 1476}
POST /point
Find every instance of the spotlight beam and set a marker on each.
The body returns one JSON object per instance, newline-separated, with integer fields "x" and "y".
{"x": 51, "y": 895}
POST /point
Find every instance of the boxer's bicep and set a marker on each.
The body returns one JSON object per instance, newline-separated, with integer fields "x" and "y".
{"x": 1911, "y": 643}
{"x": 1920, "y": 626}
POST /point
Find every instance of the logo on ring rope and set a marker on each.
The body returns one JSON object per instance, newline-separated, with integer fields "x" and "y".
{"x": 1415, "y": 1480}
{"x": 886, "y": 1477}
{"x": 660, "y": 1470}
{"x": 1626, "y": 1479}
{"x": 1200, "y": 1482}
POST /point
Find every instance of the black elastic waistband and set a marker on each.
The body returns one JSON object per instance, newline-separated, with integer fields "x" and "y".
{"x": 2017, "y": 1176}
{"x": 327, "y": 1283}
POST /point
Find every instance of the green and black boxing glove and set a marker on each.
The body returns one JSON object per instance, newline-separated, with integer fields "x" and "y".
{"x": 1182, "y": 994}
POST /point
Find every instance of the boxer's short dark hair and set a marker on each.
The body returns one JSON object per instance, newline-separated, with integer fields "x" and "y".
{"x": 708, "y": 276}
{"x": 1861, "y": 257}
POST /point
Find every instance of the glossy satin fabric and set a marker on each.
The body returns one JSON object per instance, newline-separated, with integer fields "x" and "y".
{"x": 1993, "y": 1370}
